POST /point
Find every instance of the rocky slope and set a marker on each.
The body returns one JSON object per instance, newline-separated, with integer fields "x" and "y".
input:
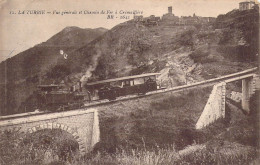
{"x": 190, "y": 53}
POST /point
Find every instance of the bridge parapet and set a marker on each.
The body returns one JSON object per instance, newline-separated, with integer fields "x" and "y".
{"x": 83, "y": 125}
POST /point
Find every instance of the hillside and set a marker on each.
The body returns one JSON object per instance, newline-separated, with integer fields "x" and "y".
{"x": 240, "y": 33}
{"x": 199, "y": 52}
{"x": 189, "y": 53}
{"x": 41, "y": 56}
{"x": 74, "y": 37}
{"x": 20, "y": 74}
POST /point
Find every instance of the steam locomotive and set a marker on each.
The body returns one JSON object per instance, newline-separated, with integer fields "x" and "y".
{"x": 55, "y": 97}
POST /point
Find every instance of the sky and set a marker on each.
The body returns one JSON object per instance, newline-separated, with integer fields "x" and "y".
{"x": 19, "y": 32}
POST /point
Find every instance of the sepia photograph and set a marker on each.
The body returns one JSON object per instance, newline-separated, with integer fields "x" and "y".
{"x": 119, "y": 82}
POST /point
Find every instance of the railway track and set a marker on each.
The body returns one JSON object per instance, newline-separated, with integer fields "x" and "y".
{"x": 206, "y": 83}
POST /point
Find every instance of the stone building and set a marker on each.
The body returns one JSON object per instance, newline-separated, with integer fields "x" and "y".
{"x": 246, "y": 5}
{"x": 169, "y": 17}
{"x": 152, "y": 20}
{"x": 138, "y": 18}
{"x": 192, "y": 20}
{"x": 206, "y": 20}
{"x": 189, "y": 20}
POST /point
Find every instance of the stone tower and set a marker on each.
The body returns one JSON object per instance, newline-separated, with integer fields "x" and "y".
{"x": 170, "y": 10}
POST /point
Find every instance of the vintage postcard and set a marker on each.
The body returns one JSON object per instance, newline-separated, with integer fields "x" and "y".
{"x": 141, "y": 82}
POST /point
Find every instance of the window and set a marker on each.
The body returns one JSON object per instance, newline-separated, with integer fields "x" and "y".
{"x": 151, "y": 78}
{"x": 131, "y": 82}
{"x": 126, "y": 83}
{"x": 138, "y": 81}
{"x": 116, "y": 84}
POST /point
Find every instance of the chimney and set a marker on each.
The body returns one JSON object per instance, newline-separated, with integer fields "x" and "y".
{"x": 170, "y": 10}
{"x": 80, "y": 86}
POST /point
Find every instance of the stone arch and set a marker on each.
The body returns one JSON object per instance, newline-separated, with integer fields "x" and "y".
{"x": 82, "y": 148}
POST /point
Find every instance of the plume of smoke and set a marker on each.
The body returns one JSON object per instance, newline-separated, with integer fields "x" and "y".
{"x": 92, "y": 67}
{"x": 64, "y": 54}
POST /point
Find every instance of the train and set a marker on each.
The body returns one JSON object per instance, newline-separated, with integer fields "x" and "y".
{"x": 55, "y": 97}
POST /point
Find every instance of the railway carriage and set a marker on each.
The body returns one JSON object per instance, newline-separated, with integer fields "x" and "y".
{"x": 112, "y": 88}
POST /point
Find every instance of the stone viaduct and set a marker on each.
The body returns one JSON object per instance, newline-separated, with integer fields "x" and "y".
{"x": 82, "y": 124}
{"x": 215, "y": 107}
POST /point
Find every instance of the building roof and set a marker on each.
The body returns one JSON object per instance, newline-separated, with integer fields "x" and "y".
{"x": 247, "y": 2}
{"x": 123, "y": 78}
{"x": 47, "y": 86}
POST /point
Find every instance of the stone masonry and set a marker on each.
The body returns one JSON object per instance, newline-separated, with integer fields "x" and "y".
{"x": 215, "y": 107}
{"x": 83, "y": 125}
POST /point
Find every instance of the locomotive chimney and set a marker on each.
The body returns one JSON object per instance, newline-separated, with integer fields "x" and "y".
{"x": 80, "y": 86}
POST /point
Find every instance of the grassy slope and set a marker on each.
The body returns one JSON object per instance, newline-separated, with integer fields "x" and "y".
{"x": 230, "y": 141}
{"x": 153, "y": 121}
{"x": 151, "y": 130}
{"x": 149, "y": 123}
